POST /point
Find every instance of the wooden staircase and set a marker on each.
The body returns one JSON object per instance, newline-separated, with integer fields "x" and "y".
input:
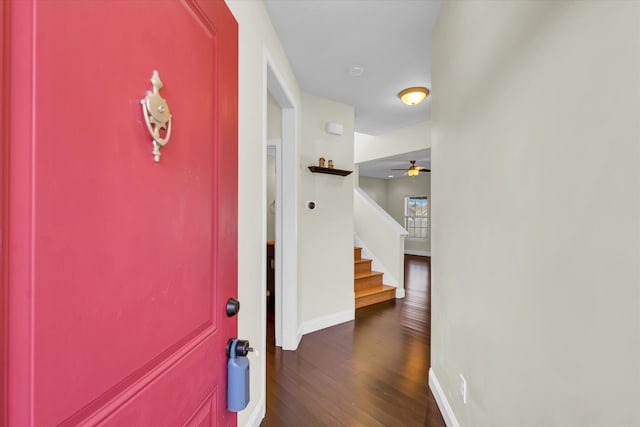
{"x": 368, "y": 285}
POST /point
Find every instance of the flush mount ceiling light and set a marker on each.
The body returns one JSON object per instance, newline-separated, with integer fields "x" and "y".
{"x": 413, "y": 95}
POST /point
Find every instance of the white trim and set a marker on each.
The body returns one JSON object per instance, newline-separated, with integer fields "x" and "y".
{"x": 286, "y": 300}
{"x": 257, "y": 415}
{"x": 441, "y": 399}
{"x": 299, "y": 336}
{"x": 323, "y": 322}
{"x": 400, "y": 293}
{"x": 262, "y": 359}
{"x": 289, "y": 296}
{"x": 419, "y": 253}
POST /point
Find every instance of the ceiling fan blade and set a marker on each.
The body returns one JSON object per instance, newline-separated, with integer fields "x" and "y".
{"x": 412, "y": 167}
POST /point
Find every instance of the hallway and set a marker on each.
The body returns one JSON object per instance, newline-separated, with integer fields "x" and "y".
{"x": 371, "y": 372}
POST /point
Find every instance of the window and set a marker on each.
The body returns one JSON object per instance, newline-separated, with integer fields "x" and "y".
{"x": 416, "y": 216}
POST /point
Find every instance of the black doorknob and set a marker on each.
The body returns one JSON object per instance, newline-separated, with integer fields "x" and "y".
{"x": 242, "y": 347}
{"x": 233, "y": 307}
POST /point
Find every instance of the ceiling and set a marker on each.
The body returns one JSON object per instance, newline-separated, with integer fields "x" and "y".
{"x": 381, "y": 168}
{"x": 389, "y": 39}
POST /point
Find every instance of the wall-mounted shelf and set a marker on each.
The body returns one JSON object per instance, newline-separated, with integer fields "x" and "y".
{"x": 330, "y": 171}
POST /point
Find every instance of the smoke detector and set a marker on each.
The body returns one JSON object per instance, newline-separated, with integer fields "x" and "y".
{"x": 356, "y": 70}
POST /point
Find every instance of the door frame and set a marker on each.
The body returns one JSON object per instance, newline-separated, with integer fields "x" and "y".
{"x": 287, "y": 329}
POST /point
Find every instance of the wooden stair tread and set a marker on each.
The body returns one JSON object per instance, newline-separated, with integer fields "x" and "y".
{"x": 366, "y": 274}
{"x": 361, "y": 266}
{"x": 375, "y": 295}
{"x": 376, "y": 290}
{"x": 367, "y": 285}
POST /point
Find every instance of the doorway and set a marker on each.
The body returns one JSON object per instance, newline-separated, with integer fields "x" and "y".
{"x": 287, "y": 334}
{"x": 273, "y": 216}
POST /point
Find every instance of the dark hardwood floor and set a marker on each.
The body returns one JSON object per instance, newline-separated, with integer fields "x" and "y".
{"x": 369, "y": 372}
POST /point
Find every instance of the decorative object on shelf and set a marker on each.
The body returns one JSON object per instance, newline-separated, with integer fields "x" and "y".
{"x": 321, "y": 162}
{"x": 413, "y": 95}
{"x": 330, "y": 171}
{"x": 330, "y": 164}
{"x": 156, "y": 115}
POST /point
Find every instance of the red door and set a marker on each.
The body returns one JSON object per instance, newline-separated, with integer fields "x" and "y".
{"x": 119, "y": 267}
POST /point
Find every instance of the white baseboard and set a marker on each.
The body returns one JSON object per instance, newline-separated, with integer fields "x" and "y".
{"x": 445, "y": 409}
{"x": 299, "y": 337}
{"x": 327, "y": 321}
{"x": 419, "y": 253}
{"x": 292, "y": 344}
{"x": 400, "y": 293}
{"x": 257, "y": 415}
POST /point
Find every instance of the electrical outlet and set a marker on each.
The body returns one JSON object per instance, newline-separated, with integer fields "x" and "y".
{"x": 463, "y": 389}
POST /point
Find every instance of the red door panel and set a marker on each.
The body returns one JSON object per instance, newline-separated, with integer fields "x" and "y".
{"x": 122, "y": 266}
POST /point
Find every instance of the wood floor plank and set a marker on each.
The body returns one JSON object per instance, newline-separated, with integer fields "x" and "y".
{"x": 370, "y": 372}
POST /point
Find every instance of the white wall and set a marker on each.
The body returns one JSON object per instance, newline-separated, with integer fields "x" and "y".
{"x": 326, "y": 234}
{"x": 255, "y": 35}
{"x": 536, "y": 231}
{"x": 403, "y": 140}
{"x": 381, "y": 239}
{"x": 390, "y": 195}
{"x": 377, "y": 189}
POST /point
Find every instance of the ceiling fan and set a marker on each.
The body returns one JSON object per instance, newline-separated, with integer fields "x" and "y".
{"x": 413, "y": 169}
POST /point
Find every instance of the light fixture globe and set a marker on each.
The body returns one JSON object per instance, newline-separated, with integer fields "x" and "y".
{"x": 413, "y": 95}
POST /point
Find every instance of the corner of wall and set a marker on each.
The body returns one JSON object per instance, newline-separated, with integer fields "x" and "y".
{"x": 441, "y": 399}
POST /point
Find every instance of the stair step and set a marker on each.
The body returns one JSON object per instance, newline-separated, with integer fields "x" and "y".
{"x": 366, "y": 280}
{"x": 357, "y": 253}
{"x": 375, "y": 295}
{"x": 362, "y": 266}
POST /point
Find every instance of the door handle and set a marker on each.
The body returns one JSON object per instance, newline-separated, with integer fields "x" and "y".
{"x": 241, "y": 349}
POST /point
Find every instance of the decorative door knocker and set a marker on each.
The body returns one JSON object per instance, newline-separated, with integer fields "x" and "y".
{"x": 156, "y": 115}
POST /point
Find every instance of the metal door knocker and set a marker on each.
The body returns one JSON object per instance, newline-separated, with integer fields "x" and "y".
{"x": 156, "y": 115}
